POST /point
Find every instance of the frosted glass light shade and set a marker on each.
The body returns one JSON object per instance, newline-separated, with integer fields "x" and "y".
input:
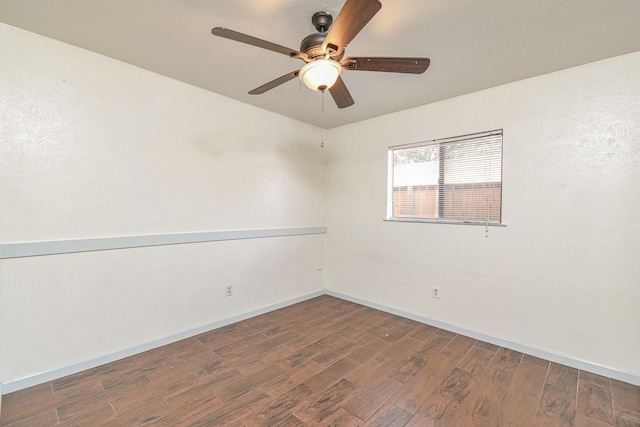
{"x": 320, "y": 74}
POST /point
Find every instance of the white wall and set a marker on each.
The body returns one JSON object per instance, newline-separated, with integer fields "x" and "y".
{"x": 563, "y": 276}
{"x": 91, "y": 147}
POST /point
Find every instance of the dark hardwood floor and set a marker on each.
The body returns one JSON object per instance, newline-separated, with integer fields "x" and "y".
{"x": 327, "y": 362}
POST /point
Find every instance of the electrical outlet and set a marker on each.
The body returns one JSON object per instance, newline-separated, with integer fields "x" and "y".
{"x": 435, "y": 292}
{"x": 228, "y": 290}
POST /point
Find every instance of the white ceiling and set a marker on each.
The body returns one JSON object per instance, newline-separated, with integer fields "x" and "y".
{"x": 473, "y": 44}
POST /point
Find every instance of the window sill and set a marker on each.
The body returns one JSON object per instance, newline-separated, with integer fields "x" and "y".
{"x": 443, "y": 221}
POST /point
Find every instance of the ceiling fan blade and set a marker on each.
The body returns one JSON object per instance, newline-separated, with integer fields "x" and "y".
{"x": 253, "y": 41}
{"x": 355, "y": 14}
{"x": 341, "y": 94}
{"x": 274, "y": 83}
{"x": 388, "y": 65}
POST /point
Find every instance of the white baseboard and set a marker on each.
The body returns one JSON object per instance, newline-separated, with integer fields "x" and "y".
{"x": 63, "y": 371}
{"x": 583, "y": 365}
{"x": 50, "y": 375}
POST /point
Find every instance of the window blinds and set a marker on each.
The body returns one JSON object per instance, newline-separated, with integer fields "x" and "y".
{"x": 455, "y": 179}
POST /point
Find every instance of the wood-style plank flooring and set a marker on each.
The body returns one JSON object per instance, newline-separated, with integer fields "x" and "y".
{"x": 327, "y": 362}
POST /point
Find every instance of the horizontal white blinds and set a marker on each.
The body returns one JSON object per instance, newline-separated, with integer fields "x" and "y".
{"x": 453, "y": 179}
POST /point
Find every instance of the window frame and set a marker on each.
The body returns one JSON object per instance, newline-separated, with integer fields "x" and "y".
{"x": 441, "y": 187}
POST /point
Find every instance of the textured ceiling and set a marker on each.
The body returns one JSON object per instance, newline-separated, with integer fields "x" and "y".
{"x": 473, "y": 44}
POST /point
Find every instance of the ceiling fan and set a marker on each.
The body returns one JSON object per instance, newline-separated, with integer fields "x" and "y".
{"x": 323, "y": 52}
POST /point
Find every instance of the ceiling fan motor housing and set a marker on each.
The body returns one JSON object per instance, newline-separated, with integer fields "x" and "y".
{"x": 312, "y": 44}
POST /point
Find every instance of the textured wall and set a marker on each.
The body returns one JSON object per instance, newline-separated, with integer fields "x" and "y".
{"x": 563, "y": 275}
{"x": 92, "y": 147}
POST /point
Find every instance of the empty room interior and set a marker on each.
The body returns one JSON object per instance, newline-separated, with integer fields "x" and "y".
{"x": 175, "y": 250}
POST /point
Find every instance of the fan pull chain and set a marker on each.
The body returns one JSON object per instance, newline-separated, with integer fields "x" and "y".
{"x": 322, "y": 121}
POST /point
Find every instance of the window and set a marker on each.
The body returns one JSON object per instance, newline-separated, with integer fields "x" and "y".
{"x": 448, "y": 180}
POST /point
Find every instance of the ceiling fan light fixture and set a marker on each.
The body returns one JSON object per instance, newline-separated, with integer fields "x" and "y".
{"x": 320, "y": 74}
